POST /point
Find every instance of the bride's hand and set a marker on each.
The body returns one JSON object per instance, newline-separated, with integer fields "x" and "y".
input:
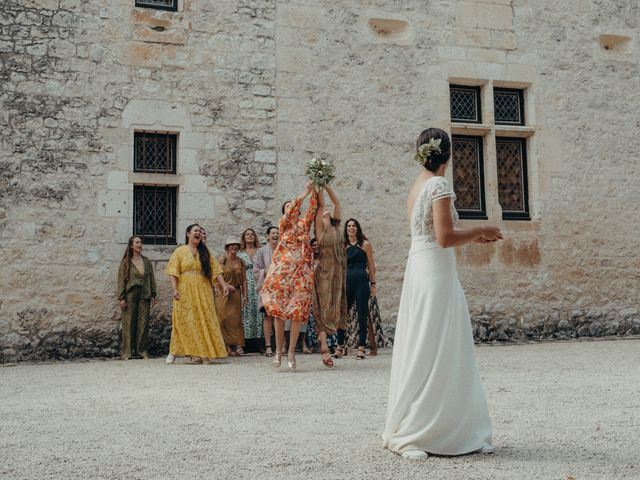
{"x": 491, "y": 234}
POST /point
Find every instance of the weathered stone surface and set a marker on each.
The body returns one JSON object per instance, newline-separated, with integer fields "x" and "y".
{"x": 254, "y": 90}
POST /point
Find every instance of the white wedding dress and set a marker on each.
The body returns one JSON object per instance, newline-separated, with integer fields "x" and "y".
{"x": 436, "y": 401}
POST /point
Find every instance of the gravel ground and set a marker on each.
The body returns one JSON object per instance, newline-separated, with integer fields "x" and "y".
{"x": 564, "y": 410}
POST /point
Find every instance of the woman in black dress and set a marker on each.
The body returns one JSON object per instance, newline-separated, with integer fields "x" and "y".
{"x": 361, "y": 282}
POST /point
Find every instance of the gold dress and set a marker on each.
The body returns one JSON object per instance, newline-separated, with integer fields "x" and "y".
{"x": 195, "y": 328}
{"x": 330, "y": 305}
{"x": 229, "y": 308}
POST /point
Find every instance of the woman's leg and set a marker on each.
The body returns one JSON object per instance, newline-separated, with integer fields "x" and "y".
{"x": 267, "y": 325}
{"x": 324, "y": 349}
{"x": 362, "y": 308}
{"x": 293, "y": 340}
{"x": 142, "y": 334}
{"x": 127, "y": 320}
{"x": 279, "y": 324}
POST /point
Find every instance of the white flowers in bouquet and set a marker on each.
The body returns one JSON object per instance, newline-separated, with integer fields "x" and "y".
{"x": 320, "y": 172}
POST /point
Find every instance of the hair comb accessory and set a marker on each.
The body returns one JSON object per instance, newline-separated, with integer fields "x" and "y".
{"x": 426, "y": 150}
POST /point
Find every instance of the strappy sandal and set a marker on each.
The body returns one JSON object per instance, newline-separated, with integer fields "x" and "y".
{"x": 327, "y": 362}
{"x": 239, "y": 351}
{"x": 338, "y": 352}
{"x": 268, "y": 352}
{"x": 360, "y": 354}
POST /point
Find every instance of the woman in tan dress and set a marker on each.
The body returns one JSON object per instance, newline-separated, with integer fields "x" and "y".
{"x": 229, "y": 308}
{"x": 330, "y": 309}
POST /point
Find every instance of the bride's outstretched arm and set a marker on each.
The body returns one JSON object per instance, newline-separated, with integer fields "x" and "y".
{"x": 447, "y": 236}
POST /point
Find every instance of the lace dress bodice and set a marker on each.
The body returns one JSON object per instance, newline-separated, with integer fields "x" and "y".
{"x": 422, "y": 227}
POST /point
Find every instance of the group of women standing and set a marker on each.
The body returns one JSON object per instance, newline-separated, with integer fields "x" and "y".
{"x": 222, "y": 306}
{"x": 318, "y": 285}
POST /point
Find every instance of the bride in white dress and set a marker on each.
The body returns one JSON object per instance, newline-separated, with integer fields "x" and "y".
{"x": 436, "y": 401}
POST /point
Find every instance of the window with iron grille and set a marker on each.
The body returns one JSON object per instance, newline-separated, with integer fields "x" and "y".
{"x": 171, "y": 5}
{"x": 154, "y": 152}
{"x": 468, "y": 176}
{"x": 465, "y": 104}
{"x": 511, "y": 156}
{"x": 154, "y": 214}
{"x": 509, "y": 106}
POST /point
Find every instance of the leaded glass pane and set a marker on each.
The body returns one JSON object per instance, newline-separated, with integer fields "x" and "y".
{"x": 159, "y": 4}
{"x": 509, "y": 108}
{"x": 154, "y": 152}
{"x": 154, "y": 215}
{"x": 465, "y": 104}
{"x": 510, "y": 155}
{"x": 467, "y": 173}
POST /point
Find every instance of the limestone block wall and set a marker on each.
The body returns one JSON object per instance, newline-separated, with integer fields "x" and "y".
{"x": 254, "y": 88}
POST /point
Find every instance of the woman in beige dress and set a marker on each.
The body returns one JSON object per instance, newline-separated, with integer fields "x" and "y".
{"x": 229, "y": 308}
{"x": 330, "y": 309}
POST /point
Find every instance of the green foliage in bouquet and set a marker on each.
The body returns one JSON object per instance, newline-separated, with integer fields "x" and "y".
{"x": 320, "y": 172}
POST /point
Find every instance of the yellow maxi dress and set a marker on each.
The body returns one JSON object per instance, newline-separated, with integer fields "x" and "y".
{"x": 195, "y": 327}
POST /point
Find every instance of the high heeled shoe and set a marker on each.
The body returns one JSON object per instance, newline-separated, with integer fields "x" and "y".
{"x": 327, "y": 362}
{"x": 291, "y": 361}
{"x": 277, "y": 360}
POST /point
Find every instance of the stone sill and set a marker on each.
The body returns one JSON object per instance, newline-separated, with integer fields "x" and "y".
{"x": 515, "y": 131}
{"x": 470, "y": 128}
{"x": 160, "y": 179}
{"x": 482, "y": 129}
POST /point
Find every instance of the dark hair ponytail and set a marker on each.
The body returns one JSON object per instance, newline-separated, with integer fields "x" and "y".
{"x": 436, "y": 159}
{"x": 203, "y": 253}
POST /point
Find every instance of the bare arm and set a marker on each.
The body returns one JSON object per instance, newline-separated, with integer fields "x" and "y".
{"x": 337, "y": 211}
{"x": 226, "y": 288}
{"x": 371, "y": 266}
{"x": 318, "y": 225}
{"x": 447, "y": 236}
{"x": 174, "y": 287}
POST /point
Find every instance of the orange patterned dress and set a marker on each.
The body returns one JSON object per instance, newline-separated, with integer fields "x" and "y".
{"x": 288, "y": 286}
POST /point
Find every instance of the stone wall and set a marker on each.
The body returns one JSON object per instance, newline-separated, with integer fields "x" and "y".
{"x": 254, "y": 89}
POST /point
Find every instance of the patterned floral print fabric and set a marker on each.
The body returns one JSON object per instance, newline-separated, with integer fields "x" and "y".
{"x": 251, "y": 317}
{"x": 312, "y": 334}
{"x": 195, "y": 327}
{"x": 330, "y": 305}
{"x": 288, "y": 287}
{"x": 375, "y": 335}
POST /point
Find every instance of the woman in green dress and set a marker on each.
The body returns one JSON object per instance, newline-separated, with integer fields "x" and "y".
{"x": 136, "y": 296}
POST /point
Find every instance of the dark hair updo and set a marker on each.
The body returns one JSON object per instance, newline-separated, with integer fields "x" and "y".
{"x": 436, "y": 159}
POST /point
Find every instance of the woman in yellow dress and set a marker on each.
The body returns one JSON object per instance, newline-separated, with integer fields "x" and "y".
{"x": 195, "y": 328}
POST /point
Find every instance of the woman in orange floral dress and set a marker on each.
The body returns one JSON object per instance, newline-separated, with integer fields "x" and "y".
{"x": 286, "y": 293}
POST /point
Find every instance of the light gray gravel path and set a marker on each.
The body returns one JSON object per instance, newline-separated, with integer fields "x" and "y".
{"x": 564, "y": 410}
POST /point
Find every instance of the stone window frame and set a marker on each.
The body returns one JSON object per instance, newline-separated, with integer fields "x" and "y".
{"x": 175, "y": 7}
{"x": 164, "y": 179}
{"x": 490, "y": 130}
{"x": 171, "y": 236}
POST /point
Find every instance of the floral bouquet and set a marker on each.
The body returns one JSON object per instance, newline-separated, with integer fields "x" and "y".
{"x": 320, "y": 172}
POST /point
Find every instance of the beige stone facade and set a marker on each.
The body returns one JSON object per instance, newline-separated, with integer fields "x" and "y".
{"x": 255, "y": 88}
